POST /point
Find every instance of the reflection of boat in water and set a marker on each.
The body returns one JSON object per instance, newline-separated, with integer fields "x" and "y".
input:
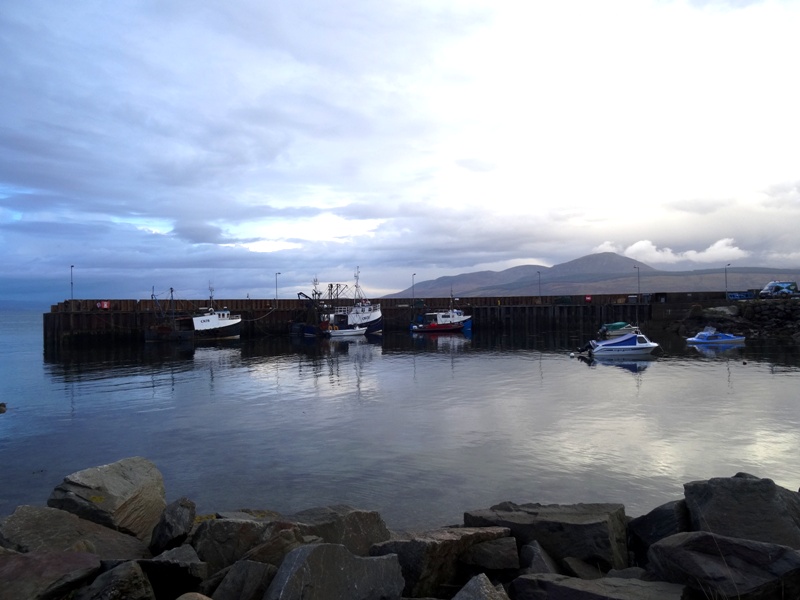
{"x": 710, "y": 335}
{"x": 714, "y": 350}
{"x": 628, "y": 364}
{"x": 449, "y": 341}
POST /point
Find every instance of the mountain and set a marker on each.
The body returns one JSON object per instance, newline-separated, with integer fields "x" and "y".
{"x": 602, "y": 273}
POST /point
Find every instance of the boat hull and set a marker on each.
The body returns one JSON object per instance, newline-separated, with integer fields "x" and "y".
{"x": 632, "y": 344}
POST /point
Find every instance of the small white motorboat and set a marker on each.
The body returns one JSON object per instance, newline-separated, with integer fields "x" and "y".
{"x": 630, "y": 344}
{"x": 337, "y": 333}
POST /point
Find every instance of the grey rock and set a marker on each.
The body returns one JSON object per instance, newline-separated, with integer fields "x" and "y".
{"x": 579, "y": 568}
{"x": 744, "y": 506}
{"x": 535, "y": 559}
{"x": 282, "y": 539}
{"x": 663, "y": 521}
{"x": 595, "y": 533}
{"x": 629, "y": 573}
{"x": 549, "y": 586}
{"x": 45, "y": 574}
{"x": 430, "y": 560}
{"x": 127, "y": 495}
{"x": 173, "y": 526}
{"x": 126, "y": 581}
{"x": 357, "y": 530}
{"x": 41, "y": 529}
{"x": 494, "y": 555}
{"x": 175, "y": 571}
{"x": 245, "y": 580}
{"x": 725, "y": 567}
{"x": 480, "y": 588}
{"x": 221, "y": 542}
{"x": 324, "y": 571}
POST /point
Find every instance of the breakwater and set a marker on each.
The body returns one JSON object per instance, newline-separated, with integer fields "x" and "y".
{"x": 126, "y": 320}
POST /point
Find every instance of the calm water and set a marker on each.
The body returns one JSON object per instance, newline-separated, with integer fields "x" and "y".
{"x": 419, "y": 429}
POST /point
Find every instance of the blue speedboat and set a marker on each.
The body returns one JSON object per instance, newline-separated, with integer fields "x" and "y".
{"x": 710, "y": 335}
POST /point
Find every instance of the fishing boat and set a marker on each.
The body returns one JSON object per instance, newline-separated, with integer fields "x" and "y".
{"x": 215, "y": 324}
{"x": 169, "y": 325}
{"x": 361, "y": 313}
{"x": 630, "y": 344}
{"x": 710, "y": 335}
{"x": 452, "y": 319}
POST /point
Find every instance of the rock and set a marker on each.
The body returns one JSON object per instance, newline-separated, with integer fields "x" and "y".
{"x": 663, "y": 521}
{"x": 725, "y": 567}
{"x": 580, "y": 568}
{"x": 430, "y": 559}
{"x": 173, "y": 526}
{"x": 547, "y": 586}
{"x": 324, "y": 571}
{"x": 357, "y": 530}
{"x": 494, "y": 555}
{"x": 283, "y": 539}
{"x": 125, "y": 581}
{"x": 745, "y": 506}
{"x": 480, "y": 588}
{"x": 245, "y": 580}
{"x": 127, "y": 495}
{"x": 221, "y": 542}
{"x": 629, "y": 573}
{"x": 175, "y": 571}
{"x": 42, "y": 529}
{"x": 534, "y": 559}
{"x": 595, "y": 533}
{"x": 46, "y": 574}
{"x": 192, "y": 596}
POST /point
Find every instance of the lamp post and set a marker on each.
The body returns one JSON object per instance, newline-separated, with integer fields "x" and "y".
{"x": 726, "y": 280}
{"x": 413, "y": 296}
{"x": 539, "y": 273}
{"x": 71, "y": 287}
{"x": 276, "y": 286}
{"x": 638, "y": 292}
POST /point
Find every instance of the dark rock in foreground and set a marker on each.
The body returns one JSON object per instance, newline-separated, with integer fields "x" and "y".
{"x": 729, "y": 537}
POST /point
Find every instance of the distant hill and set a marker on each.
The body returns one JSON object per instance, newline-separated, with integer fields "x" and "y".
{"x": 602, "y": 273}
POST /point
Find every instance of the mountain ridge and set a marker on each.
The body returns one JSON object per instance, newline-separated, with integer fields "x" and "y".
{"x": 601, "y": 273}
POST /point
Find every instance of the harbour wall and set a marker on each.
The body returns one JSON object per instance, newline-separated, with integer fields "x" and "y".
{"x": 94, "y": 320}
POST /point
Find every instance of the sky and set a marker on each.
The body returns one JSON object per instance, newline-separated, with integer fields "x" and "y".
{"x": 254, "y": 146}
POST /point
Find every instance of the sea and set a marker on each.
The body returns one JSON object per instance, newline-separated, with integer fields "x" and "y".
{"x": 418, "y": 427}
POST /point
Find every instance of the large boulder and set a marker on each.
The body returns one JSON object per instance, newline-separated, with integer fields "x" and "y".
{"x": 594, "y": 533}
{"x": 357, "y": 530}
{"x": 245, "y": 580}
{"x": 480, "y": 588}
{"x": 745, "y": 506}
{"x": 173, "y": 526}
{"x": 431, "y": 560}
{"x": 42, "y": 529}
{"x": 221, "y": 542}
{"x": 323, "y": 571}
{"x": 127, "y": 495}
{"x": 663, "y": 521}
{"x": 551, "y": 586}
{"x": 724, "y": 567}
{"x": 45, "y": 574}
{"x": 124, "y": 581}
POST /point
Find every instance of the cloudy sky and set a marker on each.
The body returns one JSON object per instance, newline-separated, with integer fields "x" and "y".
{"x": 157, "y": 144}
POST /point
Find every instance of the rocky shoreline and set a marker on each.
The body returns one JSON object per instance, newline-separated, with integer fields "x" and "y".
{"x": 752, "y": 318}
{"x": 107, "y": 532}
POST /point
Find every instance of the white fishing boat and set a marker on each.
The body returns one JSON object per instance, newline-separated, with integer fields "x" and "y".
{"x": 361, "y": 313}
{"x": 216, "y": 324}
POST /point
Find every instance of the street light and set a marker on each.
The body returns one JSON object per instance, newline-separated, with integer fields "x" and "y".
{"x": 276, "y": 286}
{"x": 726, "y": 280}
{"x": 413, "y": 297}
{"x": 71, "y": 287}
{"x": 638, "y": 292}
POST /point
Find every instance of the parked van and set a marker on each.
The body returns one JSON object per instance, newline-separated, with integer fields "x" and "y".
{"x": 779, "y": 289}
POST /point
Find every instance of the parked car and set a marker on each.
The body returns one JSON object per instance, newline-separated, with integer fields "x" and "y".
{"x": 779, "y": 289}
